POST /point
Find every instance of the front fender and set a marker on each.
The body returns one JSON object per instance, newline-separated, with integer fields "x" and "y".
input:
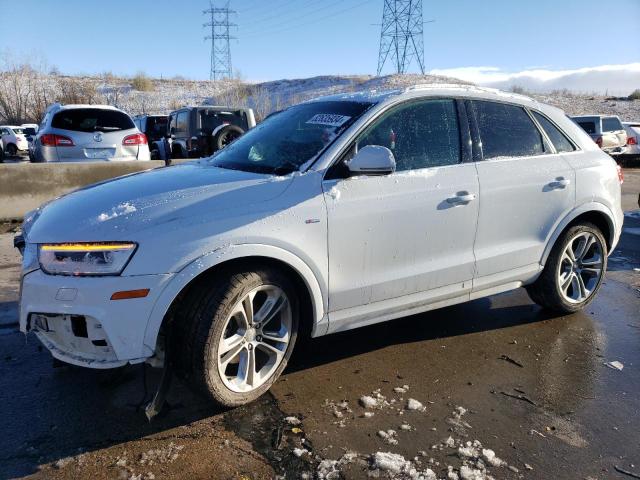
{"x": 224, "y": 254}
{"x": 575, "y": 213}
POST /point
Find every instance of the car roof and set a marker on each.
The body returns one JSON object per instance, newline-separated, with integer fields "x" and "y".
{"x": 431, "y": 90}
{"x": 12, "y": 127}
{"x": 80, "y": 105}
{"x": 631, "y": 124}
{"x": 594, "y": 116}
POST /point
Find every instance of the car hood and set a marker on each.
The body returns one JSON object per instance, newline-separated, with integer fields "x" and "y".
{"x": 123, "y": 208}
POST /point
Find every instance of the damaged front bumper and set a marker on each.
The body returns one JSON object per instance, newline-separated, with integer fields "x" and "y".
{"x": 75, "y": 318}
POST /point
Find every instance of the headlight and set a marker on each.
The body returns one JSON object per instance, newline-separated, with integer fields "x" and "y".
{"x": 85, "y": 258}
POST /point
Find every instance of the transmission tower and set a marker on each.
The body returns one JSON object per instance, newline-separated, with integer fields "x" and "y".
{"x": 401, "y": 35}
{"x": 220, "y": 36}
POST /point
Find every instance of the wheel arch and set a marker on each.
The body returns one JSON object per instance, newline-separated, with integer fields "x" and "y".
{"x": 595, "y": 213}
{"x": 313, "y": 296}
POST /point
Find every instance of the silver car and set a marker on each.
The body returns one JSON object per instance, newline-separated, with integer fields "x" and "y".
{"x": 82, "y": 133}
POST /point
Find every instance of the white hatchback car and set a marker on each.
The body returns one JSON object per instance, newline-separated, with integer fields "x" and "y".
{"x": 330, "y": 215}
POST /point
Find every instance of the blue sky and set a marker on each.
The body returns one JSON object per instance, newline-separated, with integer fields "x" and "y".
{"x": 301, "y": 38}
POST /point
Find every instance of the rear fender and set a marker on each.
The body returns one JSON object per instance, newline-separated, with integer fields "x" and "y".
{"x": 571, "y": 216}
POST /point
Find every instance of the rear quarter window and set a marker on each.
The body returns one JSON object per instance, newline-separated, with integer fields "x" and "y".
{"x": 92, "y": 120}
{"x": 611, "y": 124}
{"x": 559, "y": 139}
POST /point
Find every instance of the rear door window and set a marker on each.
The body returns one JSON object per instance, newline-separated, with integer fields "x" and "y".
{"x": 506, "y": 130}
{"x": 611, "y": 124}
{"x": 559, "y": 139}
{"x": 92, "y": 120}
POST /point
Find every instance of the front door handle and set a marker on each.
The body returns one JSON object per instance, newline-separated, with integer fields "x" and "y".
{"x": 559, "y": 183}
{"x": 461, "y": 198}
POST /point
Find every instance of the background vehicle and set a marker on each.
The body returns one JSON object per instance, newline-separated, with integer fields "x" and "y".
{"x": 1, "y": 150}
{"x": 406, "y": 202}
{"x": 156, "y": 128}
{"x": 81, "y": 133}
{"x": 15, "y": 142}
{"x": 30, "y": 131}
{"x": 198, "y": 132}
{"x": 633, "y": 138}
{"x": 606, "y": 131}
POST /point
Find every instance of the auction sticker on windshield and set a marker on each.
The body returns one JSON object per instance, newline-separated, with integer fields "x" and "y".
{"x": 328, "y": 119}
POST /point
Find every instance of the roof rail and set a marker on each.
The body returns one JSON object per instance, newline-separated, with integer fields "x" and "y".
{"x": 462, "y": 86}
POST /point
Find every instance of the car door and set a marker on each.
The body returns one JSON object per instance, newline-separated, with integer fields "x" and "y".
{"x": 526, "y": 187}
{"x": 408, "y": 232}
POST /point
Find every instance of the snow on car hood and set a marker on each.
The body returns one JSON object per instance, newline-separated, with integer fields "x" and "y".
{"x": 118, "y": 209}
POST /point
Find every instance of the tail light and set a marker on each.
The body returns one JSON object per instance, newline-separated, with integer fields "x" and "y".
{"x": 599, "y": 141}
{"x": 53, "y": 140}
{"x": 632, "y": 141}
{"x": 135, "y": 139}
{"x": 620, "y": 174}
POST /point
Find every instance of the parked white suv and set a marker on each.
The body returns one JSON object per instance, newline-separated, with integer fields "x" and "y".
{"x": 85, "y": 133}
{"x": 633, "y": 137}
{"x": 331, "y": 215}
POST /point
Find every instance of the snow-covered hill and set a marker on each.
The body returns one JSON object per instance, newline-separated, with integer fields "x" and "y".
{"x": 163, "y": 95}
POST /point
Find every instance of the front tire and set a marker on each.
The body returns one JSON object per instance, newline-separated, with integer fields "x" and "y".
{"x": 12, "y": 150}
{"x": 574, "y": 270}
{"x": 234, "y": 335}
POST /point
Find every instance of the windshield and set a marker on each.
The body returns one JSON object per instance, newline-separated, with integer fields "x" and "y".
{"x": 287, "y": 140}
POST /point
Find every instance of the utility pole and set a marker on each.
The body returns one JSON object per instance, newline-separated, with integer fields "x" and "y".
{"x": 219, "y": 36}
{"x": 401, "y": 36}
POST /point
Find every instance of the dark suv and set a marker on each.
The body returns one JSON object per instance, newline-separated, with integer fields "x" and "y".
{"x": 156, "y": 128}
{"x": 198, "y": 132}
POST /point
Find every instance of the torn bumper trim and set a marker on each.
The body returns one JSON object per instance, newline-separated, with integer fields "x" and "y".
{"x": 75, "y": 318}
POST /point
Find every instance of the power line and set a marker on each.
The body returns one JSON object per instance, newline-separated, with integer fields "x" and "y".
{"x": 401, "y": 35}
{"x": 298, "y": 25}
{"x": 298, "y": 16}
{"x": 279, "y": 16}
{"x": 220, "y": 35}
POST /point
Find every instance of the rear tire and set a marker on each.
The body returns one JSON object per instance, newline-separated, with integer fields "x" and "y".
{"x": 12, "y": 150}
{"x": 234, "y": 333}
{"x": 574, "y": 270}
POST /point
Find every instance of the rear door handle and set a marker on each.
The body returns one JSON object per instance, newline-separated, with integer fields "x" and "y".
{"x": 461, "y": 198}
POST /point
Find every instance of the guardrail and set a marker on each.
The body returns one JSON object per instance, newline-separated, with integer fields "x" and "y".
{"x": 25, "y": 186}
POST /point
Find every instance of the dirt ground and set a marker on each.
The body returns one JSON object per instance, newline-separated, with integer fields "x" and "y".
{"x": 532, "y": 387}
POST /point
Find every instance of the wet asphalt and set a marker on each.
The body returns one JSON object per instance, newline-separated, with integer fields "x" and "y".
{"x": 535, "y": 386}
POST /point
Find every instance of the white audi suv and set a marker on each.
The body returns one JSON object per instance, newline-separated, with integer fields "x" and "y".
{"x": 333, "y": 214}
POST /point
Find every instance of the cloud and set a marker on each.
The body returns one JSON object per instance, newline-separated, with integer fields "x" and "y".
{"x": 612, "y": 79}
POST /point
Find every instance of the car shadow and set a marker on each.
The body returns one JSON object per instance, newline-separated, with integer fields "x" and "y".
{"x": 473, "y": 317}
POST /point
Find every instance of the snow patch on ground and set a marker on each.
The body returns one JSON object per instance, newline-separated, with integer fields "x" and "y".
{"x": 413, "y": 404}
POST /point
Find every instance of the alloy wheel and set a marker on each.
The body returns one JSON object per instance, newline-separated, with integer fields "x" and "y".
{"x": 255, "y": 338}
{"x": 581, "y": 267}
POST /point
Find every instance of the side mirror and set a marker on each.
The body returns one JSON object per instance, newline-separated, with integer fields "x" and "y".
{"x": 372, "y": 160}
